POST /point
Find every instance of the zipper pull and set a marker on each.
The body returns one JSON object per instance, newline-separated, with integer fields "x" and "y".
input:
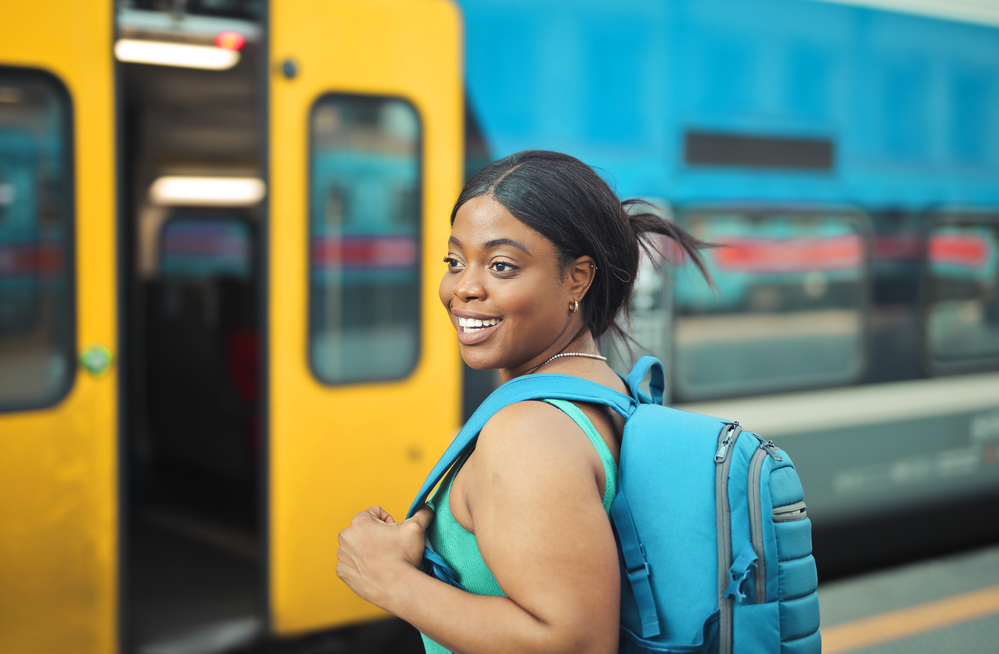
{"x": 772, "y": 450}
{"x": 726, "y": 443}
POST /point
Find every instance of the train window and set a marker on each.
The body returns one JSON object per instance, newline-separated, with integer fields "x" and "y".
{"x": 193, "y": 246}
{"x": 789, "y": 311}
{"x": 364, "y": 239}
{"x": 36, "y": 219}
{"x": 963, "y": 290}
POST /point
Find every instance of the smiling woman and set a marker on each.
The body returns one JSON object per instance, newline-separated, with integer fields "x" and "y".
{"x": 541, "y": 261}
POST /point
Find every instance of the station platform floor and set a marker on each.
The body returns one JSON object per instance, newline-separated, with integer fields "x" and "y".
{"x": 948, "y": 605}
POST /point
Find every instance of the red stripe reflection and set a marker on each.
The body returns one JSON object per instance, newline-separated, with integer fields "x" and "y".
{"x": 760, "y": 255}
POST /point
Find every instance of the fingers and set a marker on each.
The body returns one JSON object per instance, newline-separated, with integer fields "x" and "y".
{"x": 423, "y": 517}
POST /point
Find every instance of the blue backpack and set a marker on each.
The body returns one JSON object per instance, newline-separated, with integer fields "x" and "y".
{"x": 715, "y": 542}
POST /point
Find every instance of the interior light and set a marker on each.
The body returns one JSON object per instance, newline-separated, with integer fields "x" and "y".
{"x": 207, "y": 191}
{"x": 161, "y": 53}
{"x": 230, "y": 40}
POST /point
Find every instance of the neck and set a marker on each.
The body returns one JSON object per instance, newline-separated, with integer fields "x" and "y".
{"x": 583, "y": 342}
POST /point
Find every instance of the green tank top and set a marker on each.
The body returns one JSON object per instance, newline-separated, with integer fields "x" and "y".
{"x": 458, "y": 546}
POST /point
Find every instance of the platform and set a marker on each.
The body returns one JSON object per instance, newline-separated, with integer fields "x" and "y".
{"x": 940, "y": 605}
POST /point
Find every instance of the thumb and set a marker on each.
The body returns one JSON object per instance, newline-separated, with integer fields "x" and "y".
{"x": 423, "y": 517}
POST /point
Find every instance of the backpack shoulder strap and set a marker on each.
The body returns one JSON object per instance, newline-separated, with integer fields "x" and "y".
{"x": 542, "y": 386}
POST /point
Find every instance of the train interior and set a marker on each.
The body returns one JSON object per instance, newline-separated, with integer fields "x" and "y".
{"x": 193, "y": 570}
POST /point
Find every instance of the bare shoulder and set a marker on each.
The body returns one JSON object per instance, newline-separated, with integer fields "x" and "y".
{"x": 527, "y": 430}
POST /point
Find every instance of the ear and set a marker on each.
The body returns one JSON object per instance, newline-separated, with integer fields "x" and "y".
{"x": 581, "y": 273}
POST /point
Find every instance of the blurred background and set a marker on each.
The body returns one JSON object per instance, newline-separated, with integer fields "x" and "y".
{"x": 220, "y": 230}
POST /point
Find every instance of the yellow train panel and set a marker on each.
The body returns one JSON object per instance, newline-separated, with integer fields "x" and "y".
{"x": 338, "y": 449}
{"x": 58, "y": 467}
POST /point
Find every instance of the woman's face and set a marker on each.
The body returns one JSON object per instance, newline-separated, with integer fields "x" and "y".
{"x": 504, "y": 291}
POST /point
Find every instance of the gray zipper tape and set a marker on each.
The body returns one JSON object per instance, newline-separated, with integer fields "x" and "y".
{"x": 756, "y": 523}
{"x": 723, "y": 515}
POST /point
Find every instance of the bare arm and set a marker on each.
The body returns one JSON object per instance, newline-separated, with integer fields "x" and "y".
{"x": 542, "y": 530}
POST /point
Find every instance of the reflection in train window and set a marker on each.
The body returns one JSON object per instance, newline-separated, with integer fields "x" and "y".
{"x": 364, "y": 229}
{"x": 789, "y": 308}
{"x": 36, "y": 323}
{"x": 963, "y": 289}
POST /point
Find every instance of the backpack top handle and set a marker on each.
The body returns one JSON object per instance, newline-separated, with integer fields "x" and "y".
{"x": 657, "y": 384}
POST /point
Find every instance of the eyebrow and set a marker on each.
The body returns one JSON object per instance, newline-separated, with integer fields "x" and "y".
{"x": 496, "y": 242}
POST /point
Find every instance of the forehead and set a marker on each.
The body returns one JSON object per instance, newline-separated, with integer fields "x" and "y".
{"x": 483, "y": 219}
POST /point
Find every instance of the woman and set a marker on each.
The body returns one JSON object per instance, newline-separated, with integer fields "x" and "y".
{"x": 541, "y": 261}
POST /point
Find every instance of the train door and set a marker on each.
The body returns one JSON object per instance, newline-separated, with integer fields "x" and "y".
{"x": 58, "y": 335}
{"x": 363, "y": 376}
{"x": 190, "y": 172}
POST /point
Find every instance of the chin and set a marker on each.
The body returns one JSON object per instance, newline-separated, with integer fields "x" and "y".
{"x": 477, "y": 359}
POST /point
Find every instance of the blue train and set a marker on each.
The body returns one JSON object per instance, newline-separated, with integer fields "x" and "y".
{"x": 848, "y": 156}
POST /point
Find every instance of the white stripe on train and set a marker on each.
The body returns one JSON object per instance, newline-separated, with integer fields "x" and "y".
{"x": 789, "y": 414}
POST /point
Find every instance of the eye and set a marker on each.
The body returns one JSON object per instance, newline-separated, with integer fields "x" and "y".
{"x": 503, "y": 266}
{"x": 451, "y": 262}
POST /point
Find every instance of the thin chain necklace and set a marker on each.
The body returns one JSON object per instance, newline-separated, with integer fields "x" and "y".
{"x": 573, "y": 354}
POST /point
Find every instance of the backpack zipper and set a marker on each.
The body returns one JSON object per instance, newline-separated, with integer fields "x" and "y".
{"x": 790, "y": 512}
{"x": 726, "y": 438}
{"x": 723, "y": 515}
{"x": 756, "y": 520}
{"x": 771, "y": 449}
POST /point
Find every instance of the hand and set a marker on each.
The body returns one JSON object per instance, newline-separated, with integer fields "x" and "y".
{"x": 375, "y": 549}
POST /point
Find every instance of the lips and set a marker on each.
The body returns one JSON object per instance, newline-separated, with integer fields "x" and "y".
{"x": 475, "y": 330}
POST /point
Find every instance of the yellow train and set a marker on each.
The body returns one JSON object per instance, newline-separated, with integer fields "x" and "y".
{"x": 200, "y": 385}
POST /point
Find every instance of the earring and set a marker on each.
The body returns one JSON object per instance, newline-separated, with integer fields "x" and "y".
{"x": 574, "y": 306}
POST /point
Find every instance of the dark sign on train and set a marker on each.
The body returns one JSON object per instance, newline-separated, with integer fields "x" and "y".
{"x": 716, "y": 149}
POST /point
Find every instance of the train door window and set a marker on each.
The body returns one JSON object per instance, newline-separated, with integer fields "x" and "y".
{"x": 36, "y": 219}
{"x": 963, "y": 291}
{"x": 195, "y": 246}
{"x": 364, "y": 228}
{"x": 789, "y": 310}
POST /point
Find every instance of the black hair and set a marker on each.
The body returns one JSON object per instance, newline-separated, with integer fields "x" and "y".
{"x": 568, "y": 203}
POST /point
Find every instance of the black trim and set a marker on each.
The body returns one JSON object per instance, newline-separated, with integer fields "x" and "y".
{"x": 69, "y": 346}
{"x": 124, "y": 303}
{"x": 419, "y": 241}
{"x": 702, "y": 148}
{"x": 265, "y": 606}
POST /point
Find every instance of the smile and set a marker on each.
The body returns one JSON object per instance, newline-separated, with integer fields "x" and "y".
{"x": 472, "y": 325}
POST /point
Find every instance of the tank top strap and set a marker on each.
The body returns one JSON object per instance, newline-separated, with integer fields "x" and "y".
{"x": 610, "y": 468}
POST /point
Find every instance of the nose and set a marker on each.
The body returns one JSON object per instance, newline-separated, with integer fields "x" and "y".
{"x": 469, "y": 285}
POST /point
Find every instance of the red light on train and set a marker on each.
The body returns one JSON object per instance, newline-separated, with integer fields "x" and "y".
{"x": 230, "y": 40}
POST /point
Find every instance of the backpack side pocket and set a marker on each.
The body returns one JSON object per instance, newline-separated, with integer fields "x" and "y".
{"x": 797, "y": 580}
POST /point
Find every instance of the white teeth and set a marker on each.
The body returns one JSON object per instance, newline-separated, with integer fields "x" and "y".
{"x": 474, "y": 324}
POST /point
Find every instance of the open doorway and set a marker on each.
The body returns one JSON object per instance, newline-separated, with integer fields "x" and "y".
{"x": 191, "y": 177}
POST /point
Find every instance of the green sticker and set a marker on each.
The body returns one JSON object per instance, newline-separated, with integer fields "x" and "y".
{"x": 96, "y": 360}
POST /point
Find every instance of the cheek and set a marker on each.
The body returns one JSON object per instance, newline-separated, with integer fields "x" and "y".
{"x": 536, "y": 304}
{"x": 444, "y": 290}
